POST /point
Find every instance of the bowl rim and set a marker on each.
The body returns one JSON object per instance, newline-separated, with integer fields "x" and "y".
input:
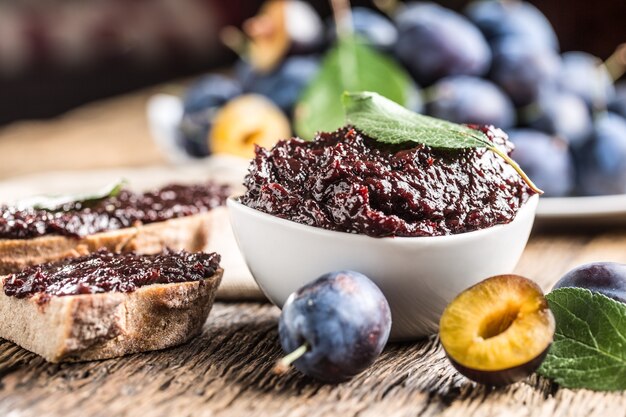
{"x": 528, "y": 208}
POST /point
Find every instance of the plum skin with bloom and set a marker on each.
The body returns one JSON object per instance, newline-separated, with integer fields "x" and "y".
{"x": 606, "y": 278}
{"x": 344, "y": 320}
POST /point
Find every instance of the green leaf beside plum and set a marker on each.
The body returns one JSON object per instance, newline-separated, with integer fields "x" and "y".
{"x": 589, "y": 349}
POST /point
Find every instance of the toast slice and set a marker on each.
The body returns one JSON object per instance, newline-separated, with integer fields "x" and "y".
{"x": 190, "y": 233}
{"x": 175, "y": 216}
{"x": 71, "y": 328}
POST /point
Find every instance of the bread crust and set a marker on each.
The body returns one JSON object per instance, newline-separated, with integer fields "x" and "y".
{"x": 100, "y": 326}
{"x": 190, "y": 233}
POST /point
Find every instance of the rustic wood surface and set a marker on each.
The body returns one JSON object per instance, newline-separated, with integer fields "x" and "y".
{"x": 109, "y": 133}
{"x": 227, "y": 370}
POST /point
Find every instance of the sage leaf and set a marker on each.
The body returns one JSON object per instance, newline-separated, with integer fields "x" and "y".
{"x": 349, "y": 66}
{"x": 389, "y": 122}
{"x": 56, "y": 203}
{"x": 589, "y": 349}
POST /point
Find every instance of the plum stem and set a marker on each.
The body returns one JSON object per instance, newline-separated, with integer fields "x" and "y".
{"x": 235, "y": 40}
{"x": 388, "y": 7}
{"x": 283, "y": 364}
{"x": 517, "y": 168}
{"x": 616, "y": 63}
{"x": 343, "y": 17}
{"x": 342, "y": 14}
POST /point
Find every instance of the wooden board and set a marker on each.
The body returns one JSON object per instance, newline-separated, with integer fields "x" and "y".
{"x": 227, "y": 370}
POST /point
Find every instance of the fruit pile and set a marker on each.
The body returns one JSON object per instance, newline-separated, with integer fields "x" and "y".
{"x": 497, "y": 63}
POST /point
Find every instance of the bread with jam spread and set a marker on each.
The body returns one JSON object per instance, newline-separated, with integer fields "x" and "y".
{"x": 176, "y": 217}
{"x": 105, "y": 305}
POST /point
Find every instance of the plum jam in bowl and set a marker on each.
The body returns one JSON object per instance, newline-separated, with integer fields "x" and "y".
{"x": 418, "y": 275}
{"x": 423, "y": 224}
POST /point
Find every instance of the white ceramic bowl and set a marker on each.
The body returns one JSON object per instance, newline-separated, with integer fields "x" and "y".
{"x": 418, "y": 275}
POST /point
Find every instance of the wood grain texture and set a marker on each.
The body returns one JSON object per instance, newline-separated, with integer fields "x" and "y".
{"x": 227, "y": 370}
{"x": 108, "y": 133}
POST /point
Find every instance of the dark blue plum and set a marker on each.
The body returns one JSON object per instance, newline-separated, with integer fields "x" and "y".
{"x": 618, "y": 103}
{"x": 562, "y": 114}
{"x": 499, "y": 19}
{"x": 606, "y": 278}
{"x": 545, "y": 159}
{"x": 210, "y": 91}
{"x": 434, "y": 42}
{"x": 602, "y": 160}
{"x": 374, "y": 28}
{"x": 344, "y": 320}
{"x": 523, "y": 70}
{"x": 201, "y": 102}
{"x": 465, "y": 99}
{"x": 584, "y": 75}
{"x": 414, "y": 99}
{"x": 284, "y": 85}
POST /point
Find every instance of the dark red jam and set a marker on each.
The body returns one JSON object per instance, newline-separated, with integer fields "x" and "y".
{"x": 104, "y": 271}
{"x": 348, "y": 182}
{"x": 125, "y": 210}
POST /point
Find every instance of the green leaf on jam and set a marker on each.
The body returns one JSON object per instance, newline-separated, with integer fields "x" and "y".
{"x": 589, "y": 349}
{"x": 349, "y": 66}
{"x": 388, "y": 122}
{"x": 56, "y": 203}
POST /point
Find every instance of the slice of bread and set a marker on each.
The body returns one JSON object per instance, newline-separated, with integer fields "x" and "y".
{"x": 190, "y": 233}
{"x": 99, "y": 326}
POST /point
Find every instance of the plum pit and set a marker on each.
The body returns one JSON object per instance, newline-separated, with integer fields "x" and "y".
{"x": 498, "y": 322}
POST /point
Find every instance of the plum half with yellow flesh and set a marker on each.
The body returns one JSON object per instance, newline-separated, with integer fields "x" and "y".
{"x": 246, "y": 121}
{"x": 498, "y": 331}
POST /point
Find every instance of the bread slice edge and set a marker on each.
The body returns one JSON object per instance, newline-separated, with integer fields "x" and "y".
{"x": 100, "y": 326}
{"x": 190, "y": 233}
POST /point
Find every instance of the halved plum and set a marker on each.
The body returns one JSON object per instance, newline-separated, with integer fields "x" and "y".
{"x": 498, "y": 331}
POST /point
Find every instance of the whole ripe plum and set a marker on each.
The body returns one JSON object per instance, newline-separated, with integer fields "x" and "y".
{"x": 338, "y": 324}
{"x": 523, "y": 70}
{"x": 618, "y": 103}
{"x": 213, "y": 90}
{"x": 283, "y": 85}
{"x": 374, "y": 28}
{"x": 602, "y": 160}
{"x": 607, "y": 278}
{"x": 201, "y": 102}
{"x": 500, "y": 19}
{"x": 561, "y": 114}
{"x": 434, "y": 42}
{"x": 466, "y": 99}
{"x": 584, "y": 75}
{"x": 545, "y": 159}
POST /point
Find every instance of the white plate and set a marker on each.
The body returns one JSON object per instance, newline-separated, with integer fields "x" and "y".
{"x": 610, "y": 209}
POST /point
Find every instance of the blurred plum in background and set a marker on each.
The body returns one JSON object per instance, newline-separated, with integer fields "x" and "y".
{"x": 465, "y": 99}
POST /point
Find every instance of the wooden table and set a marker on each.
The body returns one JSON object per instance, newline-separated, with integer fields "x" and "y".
{"x": 227, "y": 370}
